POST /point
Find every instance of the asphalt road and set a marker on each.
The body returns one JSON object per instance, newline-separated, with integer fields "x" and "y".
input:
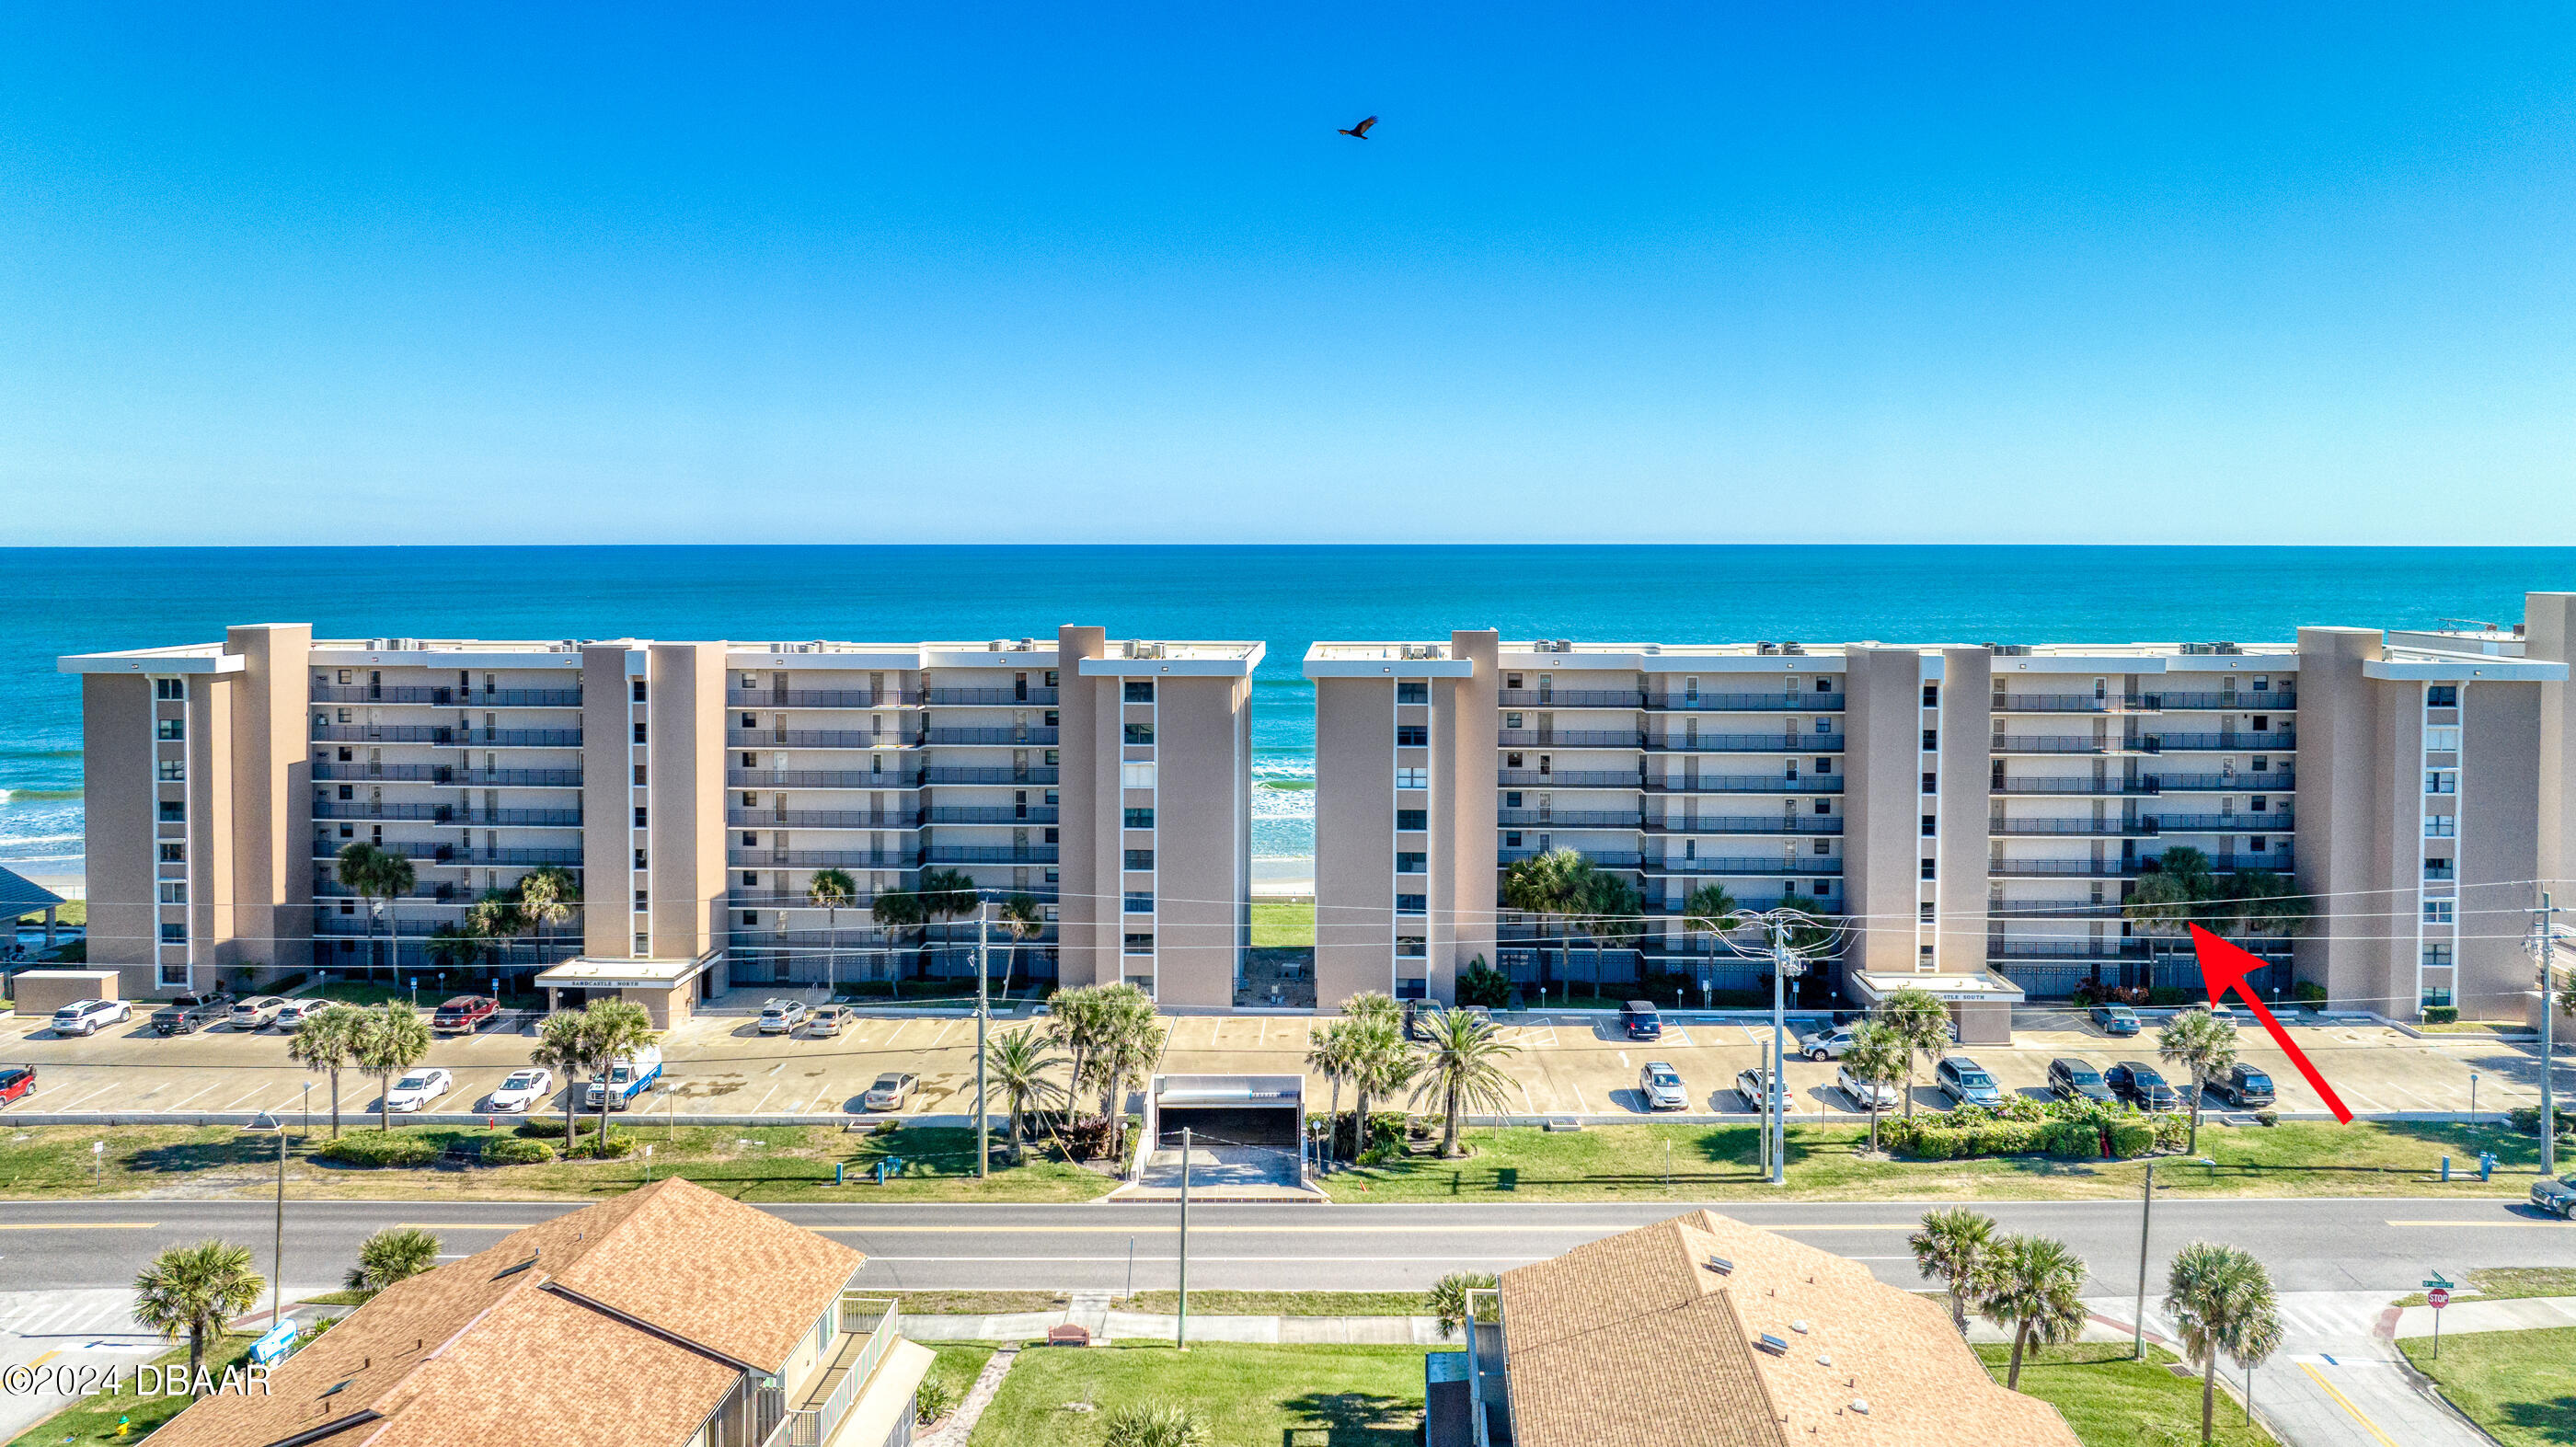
{"x": 2310, "y": 1245}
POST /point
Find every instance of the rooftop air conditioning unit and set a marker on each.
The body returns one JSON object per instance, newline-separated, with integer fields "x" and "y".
{"x": 1766, "y": 647}
{"x": 2196, "y": 649}
{"x": 2228, "y": 648}
{"x": 1793, "y": 647}
{"x": 1028, "y": 645}
{"x": 1654, "y": 648}
{"x": 1565, "y": 645}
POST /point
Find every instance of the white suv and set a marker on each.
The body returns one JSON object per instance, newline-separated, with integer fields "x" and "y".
{"x": 88, "y": 1017}
{"x": 781, "y": 1017}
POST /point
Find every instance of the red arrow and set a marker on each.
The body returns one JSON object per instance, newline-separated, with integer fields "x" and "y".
{"x": 2223, "y": 967}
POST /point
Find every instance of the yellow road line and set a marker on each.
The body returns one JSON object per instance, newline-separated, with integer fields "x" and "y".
{"x": 77, "y": 1225}
{"x": 49, "y": 1356}
{"x": 2345, "y": 1402}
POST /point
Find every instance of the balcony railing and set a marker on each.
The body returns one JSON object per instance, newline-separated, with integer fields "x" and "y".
{"x": 1747, "y": 702}
{"x": 1804, "y": 864}
{"x": 2094, "y": 828}
{"x": 1781, "y": 743}
{"x": 2052, "y": 909}
{"x": 822, "y": 858}
{"x": 1569, "y": 778}
{"x": 2274, "y": 700}
{"x": 992, "y": 697}
{"x": 2073, "y": 703}
{"x": 2270, "y": 821}
{"x": 947, "y": 774}
{"x": 1606, "y": 858}
{"x": 2277, "y": 860}
{"x": 449, "y": 697}
{"x": 1032, "y": 736}
{"x": 1569, "y": 738}
{"x": 837, "y": 1389}
{"x": 2064, "y": 868}
{"x": 824, "y": 818}
{"x": 443, "y": 735}
{"x": 1742, "y": 784}
{"x": 822, "y": 779}
{"x": 1746, "y": 824}
{"x": 2267, "y": 781}
{"x": 434, "y": 853}
{"x": 2060, "y": 744}
{"x": 2122, "y": 787}
{"x": 2177, "y": 743}
{"x": 819, "y": 739}
{"x": 1000, "y": 814}
{"x": 448, "y": 774}
{"x": 2137, "y": 947}
{"x": 820, "y": 698}
{"x": 1567, "y": 818}
{"x": 940, "y": 853}
{"x": 449, "y": 814}
{"x": 1572, "y": 698}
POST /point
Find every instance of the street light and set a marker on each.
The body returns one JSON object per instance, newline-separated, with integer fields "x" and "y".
{"x": 271, "y": 1124}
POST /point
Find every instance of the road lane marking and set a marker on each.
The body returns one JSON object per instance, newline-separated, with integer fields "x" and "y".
{"x": 2345, "y": 1402}
{"x": 2526, "y": 1225}
{"x": 77, "y": 1225}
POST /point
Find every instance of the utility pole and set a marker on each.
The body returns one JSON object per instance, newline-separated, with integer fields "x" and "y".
{"x": 983, "y": 1018}
{"x": 2544, "y": 921}
{"x": 1183, "y": 1330}
{"x": 1786, "y": 964}
{"x": 2146, "y": 1212}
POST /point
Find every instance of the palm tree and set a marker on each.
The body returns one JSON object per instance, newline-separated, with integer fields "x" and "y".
{"x": 192, "y": 1291}
{"x": 894, "y": 910}
{"x": 1920, "y": 1020}
{"x": 1546, "y": 885}
{"x": 1381, "y": 1064}
{"x": 1705, "y": 911}
{"x": 1879, "y": 1056}
{"x": 396, "y": 1253}
{"x": 389, "y": 1040}
{"x": 1131, "y": 1038}
{"x": 327, "y": 1040}
{"x": 1952, "y": 1246}
{"x": 2173, "y": 893}
{"x": 1613, "y": 913}
{"x": 2202, "y": 1044}
{"x": 1462, "y": 1068}
{"x": 609, "y": 1029}
{"x": 1023, "y": 919}
{"x": 2265, "y": 901}
{"x": 2033, "y": 1285}
{"x": 831, "y": 888}
{"x": 948, "y": 895}
{"x": 498, "y": 916}
{"x": 547, "y": 895}
{"x": 1020, "y": 1069}
{"x": 2221, "y": 1299}
{"x": 450, "y": 948}
{"x": 1074, "y": 1024}
{"x": 562, "y": 1048}
{"x": 358, "y": 868}
{"x": 1328, "y": 1054}
{"x": 394, "y": 879}
{"x": 1448, "y": 1300}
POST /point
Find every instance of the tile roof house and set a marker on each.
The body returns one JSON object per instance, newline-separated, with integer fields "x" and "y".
{"x": 1703, "y": 1331}
{"x": 670, "y": 1315}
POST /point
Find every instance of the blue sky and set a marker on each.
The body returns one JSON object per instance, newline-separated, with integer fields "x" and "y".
{"x": 880, "y": 273}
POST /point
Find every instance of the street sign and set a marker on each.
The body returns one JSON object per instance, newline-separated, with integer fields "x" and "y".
{"x": 2437, "y": 1298}
{"x": 2437, "y": 1279}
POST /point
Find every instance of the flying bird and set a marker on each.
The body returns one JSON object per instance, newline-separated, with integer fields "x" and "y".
{"x": 1360, "y": 131}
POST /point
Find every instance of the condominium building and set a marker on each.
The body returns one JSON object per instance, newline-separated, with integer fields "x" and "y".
{"x": 693, "y": 792}
{"x": 1977, "y": 816}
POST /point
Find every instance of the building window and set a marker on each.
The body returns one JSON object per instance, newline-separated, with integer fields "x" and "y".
{"x": 639, "y": 733}
{"x": 639, "y": 854}
{"x": 1927, "y": 869}
{"x": 2436, "y": 996}
{"x": 639, "y": 817}
{"x": 2439, "y": 869}
{"x": 1138, "y": 690}
{"x": 1931, "y": 825}
{"x": 2437, "y": 957}
{"x": 1412, "y": 947}
{"x": 1140, "y": 818}
{"x": 751, "y": 761}
{"x": 2442, "y": 740}
{"x": 174, "y": 689}
{"x": 2441, "y": 826}
{"x": 170, "y": 729}
{"x": 1824, "y": 766}
{"x": 1412, "y": 904}
{"x": 641, "y": 781}
{"x": 1139, "y": 733}
{"x": 643, "y": 944}
{"x": 640, "y": 901}
{"x": 1410, "y": 862}
{"x": 174, "y": 853}
{"x": 1824, "y": 846}
{"x": 174, "y": 892}
{"x": 636, "y": 690}
{"x": 1139, "y": 901}
{"x": 170, "y": 771}
{"x": 1412, "y": 736}
{"x": 2442, "y": 695}
{"x": 1139, "y": 944}
{"x": 1140, "y": 859}
{"x": 1511, "y": 761}
{"x": 1931, "y": 740}
{"x": 1413, "y": 778}
{"x": 1931, "y": 695}
{"x": 751, "y": 916}
{"x": 2437, "y": 911}
{"x": 1511, "y": 839}
{"x": 1412, "y": 819}
{"x": 2441, "y": 781}
{"x": 174, "y": 933}
{"x": 1412, "y": 690}
{"x": 1136, "y": 776}
{"x": 751, "y": 879}
{"x": 175, "y": 811}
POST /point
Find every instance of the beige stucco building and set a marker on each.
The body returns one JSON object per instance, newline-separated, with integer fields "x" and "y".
{"x": 1976, "y": 815}
{"x": 693, "y": 789}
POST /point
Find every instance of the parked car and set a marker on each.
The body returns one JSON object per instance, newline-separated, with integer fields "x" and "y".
{"x": 2244, "y": 1087}
{"x": 2073, "y": 1079}
{"x": 1830, "y": 1044}
{"x": 88, "y": 1017}
{"x": 189, "y": 1014}
{"x": 2557, "y": 1197}
{"x": 464, "y": 1014}
{"x": 1662, "y": 1087}
{"x": 16, "y": 1082}
{"x": 2115, "y": 1019}
{"x": 1860, "y": 1091}
{"x": 523, "y": 1090}
{"x": 295, "y": 1012}
{"x": 1748, "y": 1084}
{"x": 1640, "y": 1020}
{"x": 1967, "y": 1082}
{"x": 2137, "y": 1082}
{"x": 781, "y": 1017}
{"x": 415, "y": 1091}
{"x": 892, "y": 1091}
{"x": 257, "y": 1012}
{"x": 628, "y": 1077}
{"x": 830, "y": 1019}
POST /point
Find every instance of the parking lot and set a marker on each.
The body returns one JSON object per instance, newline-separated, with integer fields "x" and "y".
{"x": 1565, "y": 1065}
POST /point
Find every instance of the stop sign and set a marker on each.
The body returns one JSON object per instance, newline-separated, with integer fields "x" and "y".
{"x": 2437, "y": 1298}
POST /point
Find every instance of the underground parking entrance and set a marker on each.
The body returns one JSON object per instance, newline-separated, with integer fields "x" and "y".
{"x": 1245, "y": 1137}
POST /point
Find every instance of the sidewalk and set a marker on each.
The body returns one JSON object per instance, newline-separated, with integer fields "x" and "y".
{"x": 2468, "y": 1314}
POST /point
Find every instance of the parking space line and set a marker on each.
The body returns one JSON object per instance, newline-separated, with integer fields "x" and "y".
{"x": 192, "y": 1095}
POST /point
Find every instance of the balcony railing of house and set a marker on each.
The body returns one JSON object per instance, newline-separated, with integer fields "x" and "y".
{"x": 1569, "y": 778}
{"x": 1567, "y": 818}
{"x": 1780, "y": 743}
{"x": 449, "y": 814}
{"x": 819, "y": 739}
{"x": 1572, "y": 698}
{"x": 942, "y": 853}
{"x": 1569, "y": 738}
{"x": 1742, "y": 784}
{"x": 1746, "y": 824}
{"x": 999, "y": 814}
{"x": 1035, "y": 734}
{"x": 2096, "y": 828}
{"x": 2122, "y": 787}
{"x": 446, "y": 774}
{"x": 449, "y": 697}
{"x": 2270, "y": 821}
{"x": 434, "y": 853}
{"x": 2073, "y": 703}
{"x": 2060, "y": 744}
{"x": 992, "y": 697}
{"x": 1802, "y": 865}
{"x": 824, "y": 858}
{"x": 2176, "y": 743}
{"x": 2269, "y": 779}
{"x": 1606, "y": 858}
{"x": 823, "y": 778}
{"x": 820, "y": 698}
{"x": 825, "y": 818}
{"x": 1747, "y": 702}
{"x": 2270, "y": 700}
{"x": 444, "y": 735}
{"x": 876, "y": 1323}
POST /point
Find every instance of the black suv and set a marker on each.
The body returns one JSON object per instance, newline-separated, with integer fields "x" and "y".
{"x": 2073, "y": 1079}
{"x": 1639, "y": 1019}
{"x": 2558, "y": 1196}
{"x": 2138, "y": 1083}
{"x": 189, "y": 1014}
{"x": 2244, "y": 1087}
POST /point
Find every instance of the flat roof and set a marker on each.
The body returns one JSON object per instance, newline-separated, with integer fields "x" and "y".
{"x": 1979, "y": 986}
{"x": 606, "y": 970}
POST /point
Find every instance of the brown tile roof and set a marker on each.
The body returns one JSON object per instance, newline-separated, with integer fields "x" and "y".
{"x": 1631, "y": 1339}
{"x": 491, "y": 1351}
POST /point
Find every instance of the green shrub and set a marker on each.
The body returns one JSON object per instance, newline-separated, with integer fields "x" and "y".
{"x": 2132, "y": 1138}
{"x": 512, "y": 1150}
{"x": 1482, "y": 984}
{"x": 933, "y": 1399}
{"x": 2172, "y": 1131}
{"x": 2073, "y": 1139}
{"x": 591, "y": 1148}
{"x": 1154, "y": 1424}
{"x": 2441, "y": 1014}
{"x": 2268, "y": 1116}
{"x": 380, "y": 1148}
{"x": 2308, "y": 992}
{"x": 2526, "y": 1119}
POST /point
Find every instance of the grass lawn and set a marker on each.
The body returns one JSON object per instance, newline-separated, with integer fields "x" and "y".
{"x": 1285, "y": 1303}
{"x": 94, "y": 1419}
{"x": 2112, "y": 1401}
{"x": 376, "y": 992}
{"x": 981, "y": 1303}
{"x": 957, "y": 1364}
{"x": 1627, "y": 1162}
{"x": 749, "y": 1163}
{"x": 2518, "y": 1385}
{"x": 69, "y": 912}
{"x": 2510, "y": 1283}
{"x": 1248, "y": 1396}
{"x": 1282, "y": 924}
{"x": 2478, "y": 1027}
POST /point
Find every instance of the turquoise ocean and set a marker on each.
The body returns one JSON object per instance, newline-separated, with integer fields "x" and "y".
{"x": 64, "y": 600}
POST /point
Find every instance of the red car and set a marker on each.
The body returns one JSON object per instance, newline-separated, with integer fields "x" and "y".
{"x": 16, "y": 1081}
{"x": 464, "y": 1014}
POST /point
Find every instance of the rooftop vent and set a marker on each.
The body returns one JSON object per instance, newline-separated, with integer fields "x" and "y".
{"x": 1799, "y": 1327}
{"x": 1860, "y": 1405}
{"x": 2012, "y": 650}
{"x": 1028, "y": 645}
{"x": 1720, "y": 1265}
{"x": 2226, "y": 648}
{"x": 1565, "y": 645}
{"x": 1766, "y": 646}
{"x": 1776, "y": 1346}
{"x": 1794, "y": 648}
{"x": 2199, "y": 648}
{"x": 996, "y": 645}
{"x": 1654, "y": 648}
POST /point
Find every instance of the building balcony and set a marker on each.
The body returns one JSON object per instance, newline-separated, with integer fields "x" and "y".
{"x": 2277, "y": 860}
{"x": 458, "y": 775}
{"x": 1568, "y": 778}
{"x": 1746, "y": 702}
{"x": 2136, "y": 947}
{"x": 2061, "y": 744}
{"x": 2269, "y": 781}
{"x": 821, "y": 698}
{"x": 430, "y": 852}
{"x": 1567, "y": 818}
{"x": 1000, "y": 814}
{"x": 445, "y": 736}
{"x": 1605, "y": 858}
{"x": 819, "y": 739}
{"x": 1772, "y": 868}
{"x": 2081, "y": 828}
{"x": 449, "y": 814}
{"x": 991, "y": 697}
{"x": 1572, "y": 698}
{"x": 2200, "y": 743}
{"x": 441, "y": 697}
{"x": 1741, "y": 784}
{"x": 824, "y": 818}
{"x": 2064, "y": 868}
{"x": 2273, "y": 700}
{"x": 2270, "y": 821}
{"x": 1031, "y": 737}
{"x": 1781, "y": 743}
{"x": 2115, "y": 787}
{"x": 1569, "y": 738}
{"x": 2073, "y": 703}
{"x": 761, "y": 858}
{"x": 823, "y": 779}
{"x": 949, "y": 774}
{"x": 2052, "y": 909}
{"x": 943, "y": 853}
{"x": 1745, "y": 824}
